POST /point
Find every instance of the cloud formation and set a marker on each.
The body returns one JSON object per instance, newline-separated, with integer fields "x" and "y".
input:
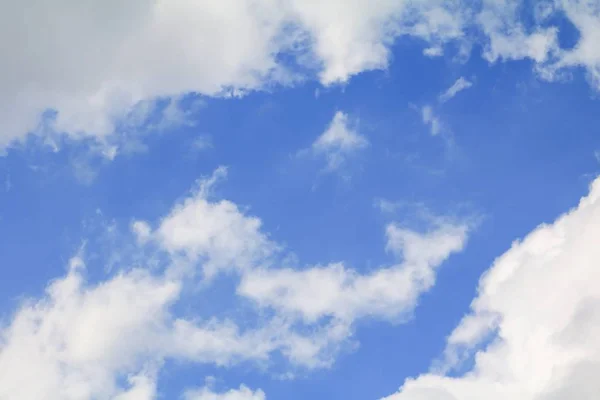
{"x": 339, "y": 141}
{"x": 458, "y": 86}
{"x": 533, "y": 332}
{"x": 80, "y": 340}
{"x": 243, "y": 393}
{"x": 101, "y": 65}
{"x": 346, "y": 295}
{"x": 431, "y": 119}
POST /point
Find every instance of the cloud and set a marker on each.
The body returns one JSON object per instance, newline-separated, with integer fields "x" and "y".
{"x": 109, "y": 339}
{"x": 334, "y": 291}
{"x": 103, "y": 60}
{"x": 339, "y": 141}
{"x": 243, "y": 393}
{"x": 533, "y": 329}
{"x": 70, "y": 344}
{"x": 78, "y": 339}
{"x": 508, "y": 36}
{"x": 216, "y": 234}
{"x": 458, "y": 86}
{"x": 104, "y": 65}
{"x": 429, "y": 118}
{"x": 142, "y": 230}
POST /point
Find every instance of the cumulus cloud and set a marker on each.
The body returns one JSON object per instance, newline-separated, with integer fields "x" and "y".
{"x": 538, "y": 310}
{"x": 458, "y": 86}
{"x": 109, "y": 339}
{"x": 101, "y": 65}
{"x": 338, "y": 296}
{"x": 77, "y": 340}
{"x": 339, "y": 141}
{"x": 217, "y": 234}
{"x": 508, "y": 36}
{"x": 69, "y": 344}
{"x": 243, "y": 393}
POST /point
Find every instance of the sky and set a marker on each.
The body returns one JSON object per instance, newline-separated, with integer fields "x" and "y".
{"x": 292, "y": 199}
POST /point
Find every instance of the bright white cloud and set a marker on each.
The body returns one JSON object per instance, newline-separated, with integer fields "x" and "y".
{"x": 339, "y": 141}
{"x": 79, "y": 340}
{"x": 69, "y": 345}
{"x": 458, "y": 86}
{"x": 540, "y": 304}
{"x": 508, "y": 36}
{"x": 585, "y": 15}
{"x": 344, "y": 294}
{"x": 354, "y": 36}
{"x": 101, "y": 64}
{"x": 95, "y": 61}
{"x": 216, "y": 234}
{"x": 243, "y": 393}
{"x": 142, "y": 387}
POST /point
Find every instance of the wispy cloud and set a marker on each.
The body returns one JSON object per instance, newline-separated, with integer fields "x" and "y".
{"x": 339, "y": 141}
{"x": 458, "y": 86}
{"x": 431, "y": 119}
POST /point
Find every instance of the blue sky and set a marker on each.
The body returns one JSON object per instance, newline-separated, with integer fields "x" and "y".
{"x": 253, "y": 200}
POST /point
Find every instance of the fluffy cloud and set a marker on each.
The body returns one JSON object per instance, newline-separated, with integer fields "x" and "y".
{"x": 339, "y": 141}
{"x": 109, "y": 339}
{"x": 217, "y": 234}
{"x": 538, "y": 308}
{"x": 101, "y": 65}
{"x": 585, "y": 16}
{"x": 69, "y": 344}
{"x": 509, "y": 37}
{"x": 335, "y": 291}
{"x": 77, "y": 340}
{"x": 243, "y": 393}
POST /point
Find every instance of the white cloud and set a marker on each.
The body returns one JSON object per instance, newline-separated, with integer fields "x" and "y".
{"x": 354, "y": 36}
{"x": 540, "y": 305}
{"x": 458, "y": 86}
{"x": 94, "y": 62}
{"x": 243, "y": 393}
{"x": 79, "y": 340}
{"x": 69, "y": 344}
{"x": 142, "y": 231}
{"x": 339, "y": 141}
{"x": 346, "y": 295}
{"x": 509, "y": 38}
{"x": 216, "y": 234}
{"x": 102, "y": 64}
{"x": 585, "y": 15}
{"x": 429, "y": 118}
{"x": 142, "y": 387}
